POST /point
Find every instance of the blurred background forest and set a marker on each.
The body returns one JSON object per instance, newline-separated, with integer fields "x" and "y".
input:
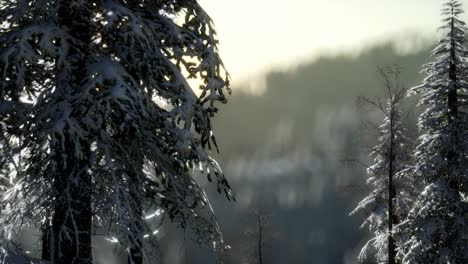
{"x": 284, "y": 152}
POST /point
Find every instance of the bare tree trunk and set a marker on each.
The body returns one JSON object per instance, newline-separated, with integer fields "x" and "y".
{"x": 260, "y": 238}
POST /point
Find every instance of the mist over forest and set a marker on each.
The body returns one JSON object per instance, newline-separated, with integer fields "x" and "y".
{"x": 283, "y": 153}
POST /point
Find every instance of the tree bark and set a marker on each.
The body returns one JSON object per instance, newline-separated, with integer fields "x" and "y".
{"x": 72, "y": 219}
{"x": 72, "y": 187}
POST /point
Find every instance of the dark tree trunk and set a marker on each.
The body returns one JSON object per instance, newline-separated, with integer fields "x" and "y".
{"x": 452, "y": 97}
{"x": 72, "y": 187}
{"x": 392, "y": 219}
{"x": 46, "y": 240}
{"x": 260, "y": 238}
{"x": 136, "y": 230}
{"x": 452, "y": 105}
{"x": 72, "y": 220}
{"x": 136, "y": 250}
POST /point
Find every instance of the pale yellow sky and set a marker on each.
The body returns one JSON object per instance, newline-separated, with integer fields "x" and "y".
{"x": 258, "y": 35}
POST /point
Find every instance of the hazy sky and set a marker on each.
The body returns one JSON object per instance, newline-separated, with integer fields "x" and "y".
{"x": 257, "y": 35}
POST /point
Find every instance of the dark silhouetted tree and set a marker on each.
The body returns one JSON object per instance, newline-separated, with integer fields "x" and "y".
{"x": 111, "y": 130}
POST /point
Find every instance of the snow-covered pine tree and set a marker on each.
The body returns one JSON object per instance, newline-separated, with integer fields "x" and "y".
{"x": 436, "y": 227}
{"x": 112, "y": 129}
{"x": 390, "y": 197}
